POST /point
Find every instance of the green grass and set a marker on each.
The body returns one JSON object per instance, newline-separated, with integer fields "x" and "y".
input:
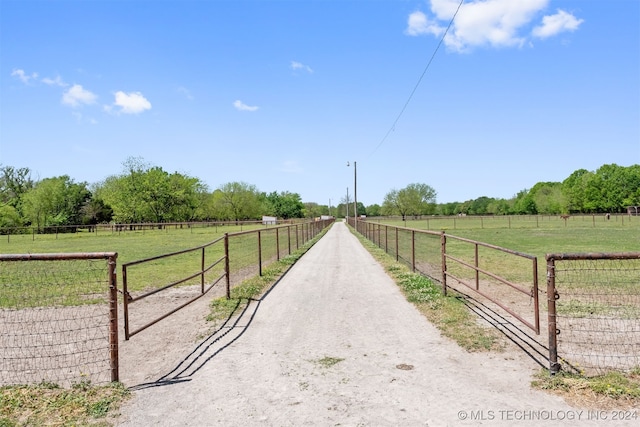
{"x": 535, "y": 236}
{"x": 48, "y": 404}
{"x": 46, "y": 283}
{"x": 130, "y": 245}
{"x": 611, "y": 390}
{"x": 448, "y": 313}
{"x": 549, "y": 236}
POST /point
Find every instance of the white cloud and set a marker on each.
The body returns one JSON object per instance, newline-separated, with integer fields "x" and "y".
{"x": 492, "y": 23}
{"x": 418, "y": 24}
{"x": 24, "y": 77}
{"x": 240, "y": 106}
{"x": 129, "y": 103}
{"x": 76, "y": 95}
{"x": 300, "y": 66}
{"x": 554, "y": 24}
{"x": 57, "y": 81}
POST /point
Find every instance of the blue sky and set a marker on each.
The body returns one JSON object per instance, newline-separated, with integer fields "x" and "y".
{"x": 282, "y": 94}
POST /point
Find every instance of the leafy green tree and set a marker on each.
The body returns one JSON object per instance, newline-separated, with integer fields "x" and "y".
{"x": 284, "y": 205}
{"x": 9, "y": 216}
{"x": 574, "y": 189}
{"x": 447, "y": 208}
{"x": 524, "y": 203}
{"x": 55, "y": 201}
{"x": 613, "y": 187}
{"x": 391, "y": 205}
{"x": 95, "y": 211}
{"x": 414, "y": 199}
{"x": 237, "y": 201}
{"x": 479, "y": 206}
{"x": 14, "y": 183}
{"x": 374, "y": 210}
{"x": 548, "y": 198}
{"x": 498, "y": 207}
{"x": 144, "y": 193}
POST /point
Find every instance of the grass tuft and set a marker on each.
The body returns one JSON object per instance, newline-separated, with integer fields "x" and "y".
{"x": 49, "y": 404}
{"x": 610, "y": 390}
{"x": 327, "y": 362}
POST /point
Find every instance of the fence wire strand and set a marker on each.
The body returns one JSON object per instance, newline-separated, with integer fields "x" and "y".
{"x": 598, "y": 314}
{"x": 54, "y": 320}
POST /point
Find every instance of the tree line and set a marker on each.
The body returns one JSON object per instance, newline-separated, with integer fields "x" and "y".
{"x": 146, "y": 193}
{"x": 141, "y": 193}
{"x": 610, "y": 189}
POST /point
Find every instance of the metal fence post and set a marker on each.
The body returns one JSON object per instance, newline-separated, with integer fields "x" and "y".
{"x": 226, "y": 264}
{"x": 413, "y": 251}
{"x": 259, "y": 254}
{"x": 113, "y": 319}
{"x": 202, "y": 274}
{"x": 443, "y": 254}
{"x": 552, "y": 296}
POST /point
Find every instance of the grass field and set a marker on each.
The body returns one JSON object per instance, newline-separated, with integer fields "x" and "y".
{"x": 540, "y": 235}
{"x": 44, "y": 283}
{"x": 130, "y": 245}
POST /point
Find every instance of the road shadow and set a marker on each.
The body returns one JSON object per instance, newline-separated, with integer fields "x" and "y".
{"x": 234, "y": 326}
{"x": 525, "y": 339}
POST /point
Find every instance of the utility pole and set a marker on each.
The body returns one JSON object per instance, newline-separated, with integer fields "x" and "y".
{"x": 347, "y": 205}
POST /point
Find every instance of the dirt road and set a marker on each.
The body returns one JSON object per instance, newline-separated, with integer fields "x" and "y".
{"x": 336, "y": 343}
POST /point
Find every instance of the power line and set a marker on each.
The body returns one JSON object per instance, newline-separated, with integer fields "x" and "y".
{"x": 393, "y": 126}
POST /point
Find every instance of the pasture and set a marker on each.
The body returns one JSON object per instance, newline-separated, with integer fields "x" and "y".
{"x": 539, "y": 235}
{"x": 129, "y": 245}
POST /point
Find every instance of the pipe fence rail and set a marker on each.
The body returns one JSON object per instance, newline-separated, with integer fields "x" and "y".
{"x": 59, "y": 312}
{"x": 445, "y": 258}
{"x": 593, "y": 299}
{"x": 233, "y": 257}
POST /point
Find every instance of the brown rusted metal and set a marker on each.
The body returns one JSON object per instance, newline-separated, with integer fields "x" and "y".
{"x": 593, "y": 255}
{"x": 113, "y": 319}
{"x": 226, "y": 264}
{"x": 259, "y": 253}
{"x": 534, "y": 294}
{"x": 477, "y": 266}
{"x": 490, "y": 274}
{"x": 202, "y": 272}
{"x": 443, "y": 251}
{"x": 125, "y": 303}
{"x": 397, "y": 251}
{"x": 111, "y": 258}
{"x": 413, "y": 251}
{"x": 57, "y": 256}
{"x": 310, "y": 229}
{"x": 552, "y": 296}
{"x": 495, "y": 301}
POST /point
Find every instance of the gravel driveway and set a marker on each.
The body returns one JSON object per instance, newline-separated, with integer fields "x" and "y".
{"x": 335, "y": 343}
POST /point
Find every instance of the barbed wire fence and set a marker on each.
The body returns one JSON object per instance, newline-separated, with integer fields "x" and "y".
{"x": 594, "y": 312}
{"x": 58, "y": 320}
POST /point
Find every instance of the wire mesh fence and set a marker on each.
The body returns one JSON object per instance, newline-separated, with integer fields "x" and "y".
{"x": 58, "y": 320}
{"x": 594, "y": 312}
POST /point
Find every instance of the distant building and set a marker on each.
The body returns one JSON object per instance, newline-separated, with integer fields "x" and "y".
{"x": 269, "y": 220}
